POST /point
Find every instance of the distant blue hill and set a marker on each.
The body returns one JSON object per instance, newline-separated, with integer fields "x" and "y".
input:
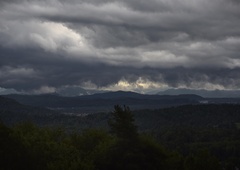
{"x": 102, "y": 101}
{"x": 129, "y": 94}
{"x": 203, "y": 93}
{"x": 76, "y": 91}
{"x": 105, "y": 101}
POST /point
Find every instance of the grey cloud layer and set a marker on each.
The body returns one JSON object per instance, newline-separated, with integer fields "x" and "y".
{"x": 181, "y": 43}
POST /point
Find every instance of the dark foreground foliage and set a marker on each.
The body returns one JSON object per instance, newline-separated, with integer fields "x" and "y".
{"x": 27, "y": 146}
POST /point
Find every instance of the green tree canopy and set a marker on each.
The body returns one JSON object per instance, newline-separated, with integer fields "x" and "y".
{"x": 122, "y": 123}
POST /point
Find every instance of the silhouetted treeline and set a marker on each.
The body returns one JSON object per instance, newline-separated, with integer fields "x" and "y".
{"x": 27, "y": 146}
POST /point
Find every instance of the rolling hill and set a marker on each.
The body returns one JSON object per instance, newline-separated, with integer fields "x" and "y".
{"x": 105, "y": 101}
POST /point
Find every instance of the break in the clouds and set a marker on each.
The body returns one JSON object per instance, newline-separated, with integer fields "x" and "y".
{"x": 46, "y": 45}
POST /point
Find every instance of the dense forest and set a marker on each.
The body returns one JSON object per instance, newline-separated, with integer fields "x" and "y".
{"x": 123, "y": 145}
{"x": 187, "y": 137}
{"x": 28, "y": 147}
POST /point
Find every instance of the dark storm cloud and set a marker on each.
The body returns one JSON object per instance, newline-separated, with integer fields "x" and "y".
{"x": 173, "y": 43}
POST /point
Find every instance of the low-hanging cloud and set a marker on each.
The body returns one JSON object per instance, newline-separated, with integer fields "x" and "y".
{"x": 50, "y": 44}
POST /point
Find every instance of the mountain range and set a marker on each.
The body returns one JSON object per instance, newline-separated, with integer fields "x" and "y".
{"x": 102, "y": 102}
{"x": 105, "y": 101}
{"x": 203, "y": 93}
{"x": 79, "y": 91}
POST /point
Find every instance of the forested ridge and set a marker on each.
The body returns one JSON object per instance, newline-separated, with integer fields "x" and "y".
{"x": 188, "y": 137}
{"x": 26, "y": 146}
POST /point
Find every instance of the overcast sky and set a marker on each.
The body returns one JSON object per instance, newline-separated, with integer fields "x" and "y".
{"x": 144, "y": 45}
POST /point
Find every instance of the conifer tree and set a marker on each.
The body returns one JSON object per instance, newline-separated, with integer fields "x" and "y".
{"x": 122, "y": 123}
